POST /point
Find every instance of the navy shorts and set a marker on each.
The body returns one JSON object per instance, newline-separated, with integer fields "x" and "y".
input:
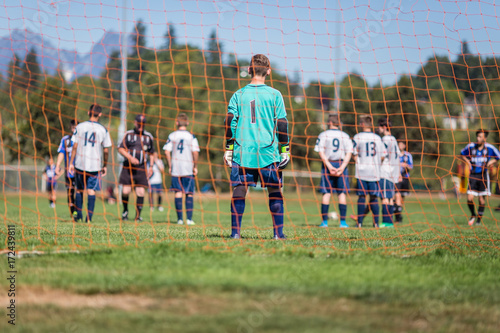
{"x": 368, "y": 188}
{"x": 403, "y": 187}
{"x": 387, "y": 188}
{"x": 183, "y": 184}
{"x": 333, "y": 184}
{"x": 87, "y": 180}
{"x": 156, "y": 188}
{"x": 269, "y": 176}
{"x": 51, "y": 185}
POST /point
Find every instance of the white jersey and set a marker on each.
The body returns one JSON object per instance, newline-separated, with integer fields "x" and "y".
{"x": 370, "y": 149}
{"x": 182, "y": 144}
{"x": 390, "y": 166}
{"x": 91, "y": 138}
{"x": 334, "y": 143}
{"x": 156, "y": 178}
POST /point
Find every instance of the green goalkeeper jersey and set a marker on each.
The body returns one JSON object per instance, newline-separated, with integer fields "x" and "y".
{"x": 256, "y": 110}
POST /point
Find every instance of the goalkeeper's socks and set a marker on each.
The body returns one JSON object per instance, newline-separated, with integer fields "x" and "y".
{"x": 480, "y": 213}
{"x": 90, "y": 207}
{"x": 178, "y": 208}
{"x": 375, "y": 209}
{"x": 471, "y": 208}
{"x": 189, "y": 207}
{"x": 324, "y": 212}
{"x": 237, "y": 210}
{"x": 125, "y": 202}
{"x": 138, "y": 206}
{"x": 276, "y": 208}
{"x": 361, "y": 209}
{"x": 342, "y": 212}
{"x": 79, "y": 205}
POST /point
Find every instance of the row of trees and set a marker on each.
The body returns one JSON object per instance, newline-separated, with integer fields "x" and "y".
{"x": 36, "y": 107}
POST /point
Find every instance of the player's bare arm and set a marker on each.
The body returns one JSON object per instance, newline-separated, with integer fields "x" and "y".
{"x": 169, "y": 161}
{"x": 104, "y": 169}
{"x": 60, "y": 158}
{"x": 71, "y": 167}
{"x": 196, "y": 154}
{"x": 327, "y": 163}
{"x": 344, "y": 164}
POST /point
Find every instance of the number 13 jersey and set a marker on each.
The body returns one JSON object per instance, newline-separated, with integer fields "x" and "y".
{"x": 182, "y": 144}
{"x": 369, "y": 149}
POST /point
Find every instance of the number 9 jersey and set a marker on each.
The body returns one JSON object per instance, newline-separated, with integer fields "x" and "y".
{"x": 182, "y": 144}
{"x": 369, "y": 149}
{"x": 334, "y": 143}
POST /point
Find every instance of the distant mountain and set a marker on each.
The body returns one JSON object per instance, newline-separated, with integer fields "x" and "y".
{"x": 50, "y": 57}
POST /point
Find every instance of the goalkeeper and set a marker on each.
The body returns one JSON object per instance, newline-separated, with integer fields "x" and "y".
{"x": 256, "y": 132}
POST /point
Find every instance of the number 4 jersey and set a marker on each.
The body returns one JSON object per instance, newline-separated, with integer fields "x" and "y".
{"x": 370, "y": 149}
{"x": 334, "y": 143}
{"x": 91, "y": 138}
{"x": 182, "y": 144}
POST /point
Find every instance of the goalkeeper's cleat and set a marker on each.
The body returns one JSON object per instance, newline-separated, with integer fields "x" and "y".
{"x": 387, "y": 225}
{"x": 282, "y": 237}
{"x": 343, "y": 224}
{"x": 235, "y": 236}
{"x": 324, "y": 224}
{"x": 478, "y": 221}
{"x": 180, "y": 222}
{"x": 472, "y": 220}
{"x": 190, "y": 222}
{"x": 125, "y": 216}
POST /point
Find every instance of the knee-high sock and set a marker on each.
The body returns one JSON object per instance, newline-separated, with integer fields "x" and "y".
{"x": 125, "y": 202}
{"x": 386, "y": 213}
{"x": 138, "y": 206}
{"x": 276, "y": 208}
{"x": 361, "y": 209}
{"x": 375, "y": 209}
{"x": 343, "y": 212}
{"x": 471, "y": 208}
{"x": 237, "y": 210}
{"x": 480, "y": 211}
{"x": 324, "y": 212}
{"x": 397, "y": 213}
{"x": 159, "y": 199}
{"x": 90, "y": 207}
{"x": 71, "y": 200}
{"x": 391, "y": 214}
{"x": 189, "y": 207}
{"x": 178, "y": 208}
{"x": 79, "y": 204}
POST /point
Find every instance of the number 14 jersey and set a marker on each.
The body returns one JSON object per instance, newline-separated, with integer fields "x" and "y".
{"x": 182, "y": 144}
{"x": 370, "y": 149}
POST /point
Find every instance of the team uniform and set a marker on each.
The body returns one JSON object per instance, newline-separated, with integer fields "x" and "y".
{"x": 92, "y": 138}
{"x": 156, "y": 179}
{"x": 139, "y": 146}
{"x": 335, "y": 144}
{"x": 66, "y": 147}
{"x": 181, "y": 144}
{"x": 256, "y": 110}
{"x": 403, "y": 186}
{"x": 479, "y": 179}
{"x": 389, "y": 171}
{"x": 50, "y": 171}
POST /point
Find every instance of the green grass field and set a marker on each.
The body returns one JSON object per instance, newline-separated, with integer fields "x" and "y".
{"x": 434, "y": 273}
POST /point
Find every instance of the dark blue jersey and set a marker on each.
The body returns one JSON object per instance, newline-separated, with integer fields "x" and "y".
{"x": 479, "y": 158}
{"x": 408, "y": 159}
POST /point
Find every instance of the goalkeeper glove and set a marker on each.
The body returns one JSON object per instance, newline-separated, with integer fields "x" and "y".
{"x": 285, "y": 157}
{"x": 228, "y": 154}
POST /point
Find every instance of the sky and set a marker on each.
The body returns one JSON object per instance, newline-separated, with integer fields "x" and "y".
{"x": 316, "y": 40}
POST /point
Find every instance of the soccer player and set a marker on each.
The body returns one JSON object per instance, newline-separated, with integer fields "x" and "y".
{"x": 182, "y": 151}
{"x": 89, "y": 157}
{"x": 50, "y": 172}
{"x": 389, "y": 171}
{"x": 479, "y": 156}
{"x": 64, "y": 150}
{"x": 335, "y": 150}
{"x": 403, "y": 186}
{"x": 256, "y": 125}
{"x": 156, "y": 184}
{"x": 369, "y": 152}
{"x": 137, "y": 146}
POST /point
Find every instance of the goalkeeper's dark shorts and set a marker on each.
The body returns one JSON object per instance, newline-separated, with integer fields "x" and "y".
{"x": 479, "y": 184}
{"x": 269, "y": 176}
{"x": 133, "y": 176}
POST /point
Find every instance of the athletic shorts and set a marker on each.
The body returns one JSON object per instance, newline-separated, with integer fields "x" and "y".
{"x": 51, "y": 185}
{"x": 269, "y": 176}
{"x": 387, "y": 189}
{"x": 479, "y": 184}
{"x": 156, "y": 188}
{"x": 368, "y": 188}
{"x": 87, "y": 180}
{"x": 133, "y": 176}
{"x": 403, "y": 187}
{"x": 69, "y": 182}
{"x": 333, "y": 184}
{"x": 184, "y": 184}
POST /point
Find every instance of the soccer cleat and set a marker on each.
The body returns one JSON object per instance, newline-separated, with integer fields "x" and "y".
{"x": 138, "y": 219}
{"x": 282, "y": 237}
{"x": 478, "y": 221}
{"x": 324, "y": 224}
{"x": 160, "y": 209}
{"x": 472, "y": 220}
{"x": 359, "y": 225}
{"x": 180, "y": 222}
{"x": 387, "y": 225}
{"x": 354, "y": 217}
{"x": 235, "y": 236}
{"x": 343, "y": 224}
{"x": 375, "y": 225}
{"x": 52, "y": 205}
{"x": 125, "y": 216}
{"x": 190, "y": 222}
